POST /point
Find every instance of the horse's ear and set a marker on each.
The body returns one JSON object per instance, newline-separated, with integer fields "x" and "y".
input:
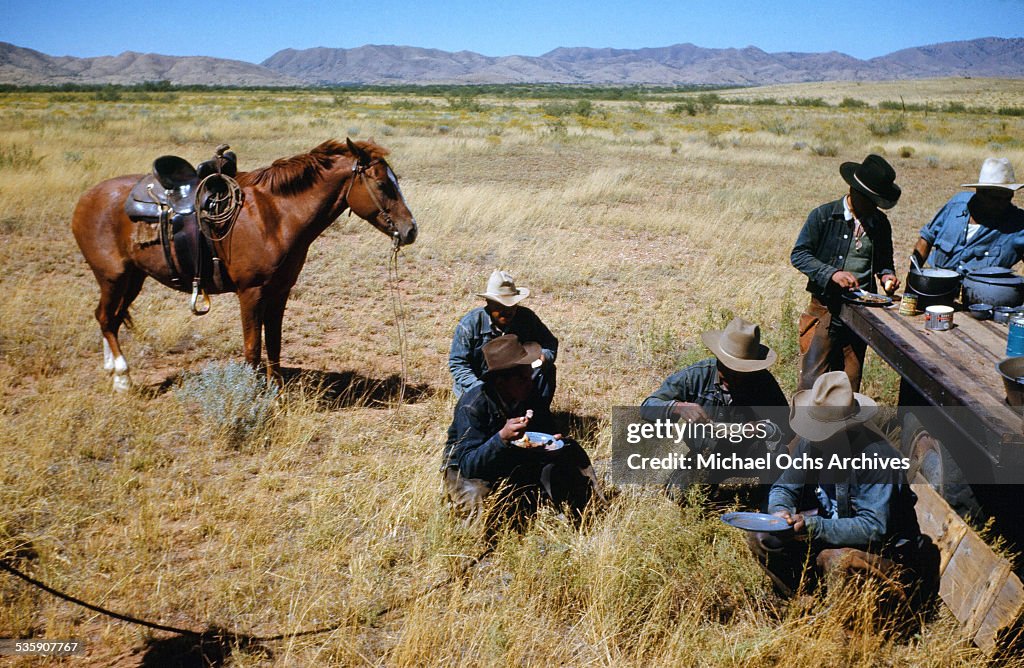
{"x": 361, "y": 156}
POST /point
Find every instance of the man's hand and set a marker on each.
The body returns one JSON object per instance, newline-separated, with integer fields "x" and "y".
{"x": 796, "y": 521}
{"x": 689, "y": 412}
{"x": 845, "y": 280}
{"x": 890, "y": 283}
{"x": 514, "y": 429}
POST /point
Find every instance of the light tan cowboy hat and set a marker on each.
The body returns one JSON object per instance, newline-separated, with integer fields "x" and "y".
{"x": 507, "y": 351}
{"x": 828, "y": 407}
{"x": 995, "y": 173}
{"x": 739, "y": 347}
{"x": 501, "y": 288}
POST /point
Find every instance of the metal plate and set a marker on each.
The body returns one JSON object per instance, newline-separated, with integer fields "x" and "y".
{"x": 756, "y": 522}
{"x": 549, "y": 442}
{"x": 867, "y": 298}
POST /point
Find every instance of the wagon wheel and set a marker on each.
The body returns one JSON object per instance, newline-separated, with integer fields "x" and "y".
{"x": 932, "y": 460}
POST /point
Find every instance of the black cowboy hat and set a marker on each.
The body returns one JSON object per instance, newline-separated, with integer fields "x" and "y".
{"x": 874, "y": 178}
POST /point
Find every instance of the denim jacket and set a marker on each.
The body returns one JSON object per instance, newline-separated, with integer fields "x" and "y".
{"x": 999, "y": 245}
{"x": 760, "y": 398}
{"x": 875, "y": 507}
{"x": 824, "y": 242}
{"x": 466, "y": 358}
{"x": 475, "y": 447}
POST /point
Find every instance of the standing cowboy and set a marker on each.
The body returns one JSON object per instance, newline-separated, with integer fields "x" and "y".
{"x": 500, "y": 315}
{"x": 978, "y": 230}
{"x": 841, "y": 247}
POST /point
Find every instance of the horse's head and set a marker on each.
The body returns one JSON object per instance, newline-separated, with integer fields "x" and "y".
{"x": 373, "y": 194}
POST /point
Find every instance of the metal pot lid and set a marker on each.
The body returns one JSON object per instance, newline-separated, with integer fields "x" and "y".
{"x": 1011, "y": 280}
{"x": 993, "y": 272}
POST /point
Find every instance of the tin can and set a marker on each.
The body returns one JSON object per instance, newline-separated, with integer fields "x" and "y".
{"x": 938, "y": 318}
{"x": 908, "y": 305}
{"x": 1015, "y": 336}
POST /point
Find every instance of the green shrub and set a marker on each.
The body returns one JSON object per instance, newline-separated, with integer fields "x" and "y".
{"x": 887, "y": 128}
{"x": 852, "y": 103}
{"x": 233, "y": 399}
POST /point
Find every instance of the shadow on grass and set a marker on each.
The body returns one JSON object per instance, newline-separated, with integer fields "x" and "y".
{"x": 212, "y": 649}
{"x": 342, "y": 389}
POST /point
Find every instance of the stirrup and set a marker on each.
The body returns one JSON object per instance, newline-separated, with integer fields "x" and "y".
{"x": 196, "y": 293}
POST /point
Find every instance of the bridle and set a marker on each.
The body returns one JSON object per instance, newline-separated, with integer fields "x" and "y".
{"x": 359, "y": 169}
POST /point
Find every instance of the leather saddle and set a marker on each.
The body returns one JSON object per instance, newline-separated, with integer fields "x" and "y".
{"x": 167, "y": 197}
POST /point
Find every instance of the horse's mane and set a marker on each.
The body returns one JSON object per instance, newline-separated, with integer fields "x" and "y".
{"x": 294, "y": 175}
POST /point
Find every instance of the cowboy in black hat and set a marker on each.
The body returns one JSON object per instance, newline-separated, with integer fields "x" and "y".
{"x": 843, "y": 246}
{"x": 486, "y": 448}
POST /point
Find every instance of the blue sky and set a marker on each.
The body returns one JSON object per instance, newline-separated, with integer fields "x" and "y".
{"x": 253, "y": 30}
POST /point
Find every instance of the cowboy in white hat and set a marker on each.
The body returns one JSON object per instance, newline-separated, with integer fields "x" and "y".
{"x": 485, "y": 448}
{"x": 979, "y": 229}
{"x": 501, "y": 314}
{"x": 843, "y": 246}
{"x": 863, "y": 510}
{"x": 734, "y": 386}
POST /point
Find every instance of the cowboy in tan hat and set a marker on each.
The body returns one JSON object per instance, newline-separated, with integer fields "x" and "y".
{"x": 733, "y": 386}
{"x": 485, "y": 447}
{"x": 501, "y": 314}
{"x": 863, "y": 514}
{"x": 843, "y": 246}
{"x": 980, "y": 229}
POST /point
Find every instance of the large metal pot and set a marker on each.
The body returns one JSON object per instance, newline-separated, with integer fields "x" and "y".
{"x": 997, "y": 286}
{"x": 933, "y": 282}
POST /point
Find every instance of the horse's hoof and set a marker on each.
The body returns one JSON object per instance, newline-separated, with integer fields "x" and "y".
{"x": 122, "y": 383}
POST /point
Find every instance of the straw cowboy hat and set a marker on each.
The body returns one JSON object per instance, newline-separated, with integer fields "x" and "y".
{"x": 874, "y": 178}
{"x": 739, "y": 347}
{"x": 828, "y": 407}
{"x": 995, "y": 173}
{"x": 506, "y": 352}
{"x": 501, "y": 288}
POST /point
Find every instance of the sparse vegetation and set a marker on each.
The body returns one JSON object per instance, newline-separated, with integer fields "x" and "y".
{"x": 635, "y": 227}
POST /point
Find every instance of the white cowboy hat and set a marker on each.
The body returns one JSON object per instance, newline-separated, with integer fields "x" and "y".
{"x": 828, "y": 407}
{"x": 995, "y": 173}
{"x": 739, "y": 347}
{"x": 501, "y": 288}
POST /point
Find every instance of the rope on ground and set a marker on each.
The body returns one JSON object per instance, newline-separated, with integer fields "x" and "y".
{"x": 234, "y": 635}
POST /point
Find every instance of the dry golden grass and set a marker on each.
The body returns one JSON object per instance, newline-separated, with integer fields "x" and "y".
{"x": 635, "y": 228}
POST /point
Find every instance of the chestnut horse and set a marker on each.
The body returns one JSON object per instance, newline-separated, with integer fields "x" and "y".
{"x": 286, "y": 206}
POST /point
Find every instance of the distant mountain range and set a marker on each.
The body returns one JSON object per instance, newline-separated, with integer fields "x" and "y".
{"x": 671, "y": 65}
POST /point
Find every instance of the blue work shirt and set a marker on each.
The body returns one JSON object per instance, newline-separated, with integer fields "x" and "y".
{"x": 995, "y": 244}
{"x": 868, "y": 507}
{"x": 466, "y": 358}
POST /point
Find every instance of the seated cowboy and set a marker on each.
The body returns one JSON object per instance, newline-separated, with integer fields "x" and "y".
{"x": 502, "y": 314}
{"x": 980, "y": 229}
{"x": 845, "y": 516}
{"x": 733, "y": 386}
{"x": 482, "y": 455}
